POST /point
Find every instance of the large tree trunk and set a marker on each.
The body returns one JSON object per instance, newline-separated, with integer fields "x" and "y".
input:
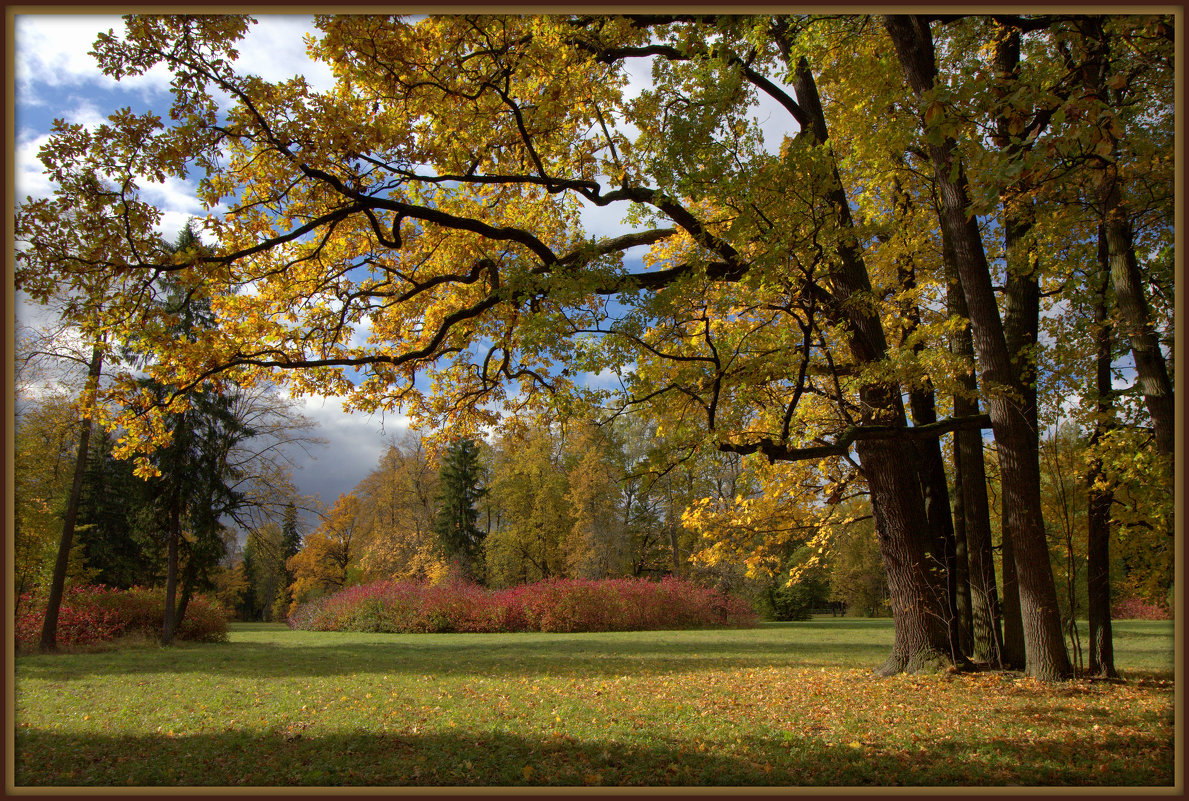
{"x": 971, "y": 490}
{"x": 921, "y": 637}
{"x": 1046, "y": 657}
{"x": 1100, "y": 494}
{"x": 53, "y": 605}
{"x": 942, "y": 553}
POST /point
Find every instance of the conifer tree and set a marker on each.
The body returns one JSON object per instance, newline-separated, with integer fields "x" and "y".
{"x": 456, "y": 522}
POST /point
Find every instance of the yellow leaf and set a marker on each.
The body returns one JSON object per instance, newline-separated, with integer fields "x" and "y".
{"x": 528, "y": 772}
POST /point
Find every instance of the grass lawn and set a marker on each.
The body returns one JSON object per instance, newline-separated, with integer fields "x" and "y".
{"x": 782, "y": 704}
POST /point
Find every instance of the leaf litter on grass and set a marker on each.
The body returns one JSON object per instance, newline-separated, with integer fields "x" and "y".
{"x": 750, "y": 720}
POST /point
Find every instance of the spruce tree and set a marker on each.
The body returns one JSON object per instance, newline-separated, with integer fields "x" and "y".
{"x": 456, "y": 521}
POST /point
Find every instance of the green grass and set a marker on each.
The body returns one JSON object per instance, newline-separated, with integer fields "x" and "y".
{"x": 782, "y": 704}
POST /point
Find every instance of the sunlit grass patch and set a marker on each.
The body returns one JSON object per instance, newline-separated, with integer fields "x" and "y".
{"x": 782, "y": 704}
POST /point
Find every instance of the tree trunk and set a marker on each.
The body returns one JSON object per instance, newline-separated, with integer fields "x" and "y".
{"x": 1150, "y": 367}
{"x": 1046, "y": 657}
{"x": 189, "y": 576}
{"x": 1021, "y": 326}
{"x": 1100, "y": 494}
{"x": 53, "y": 605}
{"x": 942, "y": 553}
{"x": 173, "y": 534}
{"x": 971, "y": 490}
{"x": 921, "y": 638}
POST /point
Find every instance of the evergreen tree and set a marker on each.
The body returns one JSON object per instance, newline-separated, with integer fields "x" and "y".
{"x": 290, "y": 545}
{"x": 456, "y": 521}
{"x": 111, "y": 529}
{"x": 195, "y": 488}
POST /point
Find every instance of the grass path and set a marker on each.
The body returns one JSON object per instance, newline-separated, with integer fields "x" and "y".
{"x": 783, "y": 704}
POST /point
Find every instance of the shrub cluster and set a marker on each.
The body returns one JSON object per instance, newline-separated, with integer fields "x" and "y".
{"x": 554, "y": 605}
{"x": 1138, "y": 609}
{"x": 91, "y": 614}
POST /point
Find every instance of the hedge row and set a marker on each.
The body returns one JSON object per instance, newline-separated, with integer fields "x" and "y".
{"x": 554, "y": 605}
{"x": 91, "y": 614}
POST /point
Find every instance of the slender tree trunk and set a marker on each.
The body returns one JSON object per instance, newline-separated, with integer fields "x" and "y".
{"x": 49, "y": 627}
{"x": 173, "y": 536}
{"x": 962, "y": 584}
{"x": 962, "y": 554}
{"x": 1100, "y": 494}
{"x": 970, "y": 472}
{"x": 1136, "y": 316}
{"x": 1046, "y": 657}
{"x": 1150, "y": 367}
{"x": 189, "y": 577}
{"x": 1021, "y": 327}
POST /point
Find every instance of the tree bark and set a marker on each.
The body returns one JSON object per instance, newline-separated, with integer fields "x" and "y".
{"x": 942, "y": 552}
{"x": 53, "y": 606}
{"x": 1046, "y": 657}
{"x": 189, "y": 577}
{"x": 921, "y": 637}
{"x": 173, "y": 532}
{"x": 971, "y": 491}
{"x": 1099, "y": 492}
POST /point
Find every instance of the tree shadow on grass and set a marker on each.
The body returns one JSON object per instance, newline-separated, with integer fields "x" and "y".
{"x": 294, "y": 756}
{"x": 458, "y": 654}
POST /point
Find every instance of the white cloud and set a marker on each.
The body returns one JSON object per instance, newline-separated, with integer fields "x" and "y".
{"x": 52, "y": 51}
{"x": 275, "y": 50}
{"x": 30, "y": 180}
{"x": 605, "y": 221}
{"x": 85, "y": 113}
{"x": 607, "y": 378}
{"x": 52, "y": 54}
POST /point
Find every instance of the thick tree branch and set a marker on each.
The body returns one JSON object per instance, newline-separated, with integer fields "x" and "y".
{"x": 779, "y": 452}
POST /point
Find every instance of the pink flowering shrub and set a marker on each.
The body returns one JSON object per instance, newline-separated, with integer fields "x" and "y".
{"x": 1138, "y": 609}
{"x": 91, "y": 614}
{"x": 554, "y": 605}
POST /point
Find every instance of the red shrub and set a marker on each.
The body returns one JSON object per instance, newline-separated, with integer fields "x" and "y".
{"x": 1137, "y": 609}
{"x": 554, "y": 605}
{"x": 91, "y": 614}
